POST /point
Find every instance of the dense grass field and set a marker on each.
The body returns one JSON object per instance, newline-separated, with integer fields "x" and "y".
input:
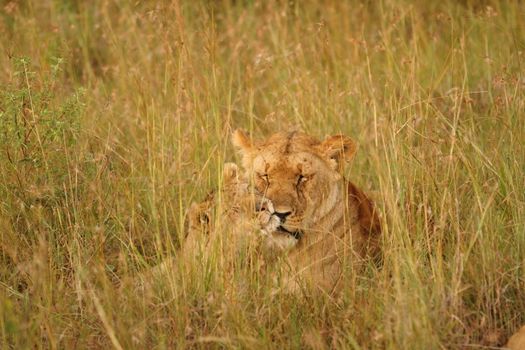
{"x": 115, "y": 115}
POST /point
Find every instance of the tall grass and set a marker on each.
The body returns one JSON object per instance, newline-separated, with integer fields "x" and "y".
{"x": 115, "y": 115}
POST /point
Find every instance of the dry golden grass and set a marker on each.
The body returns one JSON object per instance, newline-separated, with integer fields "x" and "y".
{"x": 115, "y": 115}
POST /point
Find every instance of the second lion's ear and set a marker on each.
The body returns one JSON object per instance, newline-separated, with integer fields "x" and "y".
{"x": 338, "y": 147}
{"x": 241, "y": 141}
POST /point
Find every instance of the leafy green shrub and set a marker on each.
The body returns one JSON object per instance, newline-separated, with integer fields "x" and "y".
{"x": 37, "y": 128}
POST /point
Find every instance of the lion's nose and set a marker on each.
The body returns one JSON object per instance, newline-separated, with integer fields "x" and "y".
{"x": 283, "y": 215}
{"x": 264, "y": 205}
{"x": 261, "y": 206}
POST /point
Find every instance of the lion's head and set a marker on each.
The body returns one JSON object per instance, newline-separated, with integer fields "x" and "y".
{"x": 299, "y": 174}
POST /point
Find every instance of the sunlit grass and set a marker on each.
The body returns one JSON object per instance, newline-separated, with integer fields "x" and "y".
{"x": 114, "y": 116}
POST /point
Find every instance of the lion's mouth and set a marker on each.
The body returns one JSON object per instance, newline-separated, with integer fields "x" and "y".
{"x": 295, "y": 234}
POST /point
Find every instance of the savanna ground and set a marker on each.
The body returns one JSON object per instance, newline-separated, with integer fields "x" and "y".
{"x": 114, "y": 115}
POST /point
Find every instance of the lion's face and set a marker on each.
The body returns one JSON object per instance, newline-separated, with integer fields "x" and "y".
{"x": 297, "y": 173}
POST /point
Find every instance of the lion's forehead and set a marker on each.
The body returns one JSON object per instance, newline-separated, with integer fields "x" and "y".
{"x": 292, "y": 163}
{"x": 298, "y": 139}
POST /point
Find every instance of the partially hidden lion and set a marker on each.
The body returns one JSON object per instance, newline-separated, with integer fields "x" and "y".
{"x": 230, "y": 220}
{"x": 305, "y": 210}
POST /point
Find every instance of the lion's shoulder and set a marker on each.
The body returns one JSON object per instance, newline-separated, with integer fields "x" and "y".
{"x": 367, "y": 213}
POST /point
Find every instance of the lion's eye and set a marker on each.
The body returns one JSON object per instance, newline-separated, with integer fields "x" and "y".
{"x": 300, "y": 179}
{"x": 264, "y": 177}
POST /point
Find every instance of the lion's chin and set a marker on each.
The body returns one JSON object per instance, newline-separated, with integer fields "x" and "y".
{"x": 280, "y": 241}
{"x": 294, "y": 233}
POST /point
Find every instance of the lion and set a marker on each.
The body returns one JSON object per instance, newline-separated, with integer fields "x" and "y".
{"x": 328, "y": 219}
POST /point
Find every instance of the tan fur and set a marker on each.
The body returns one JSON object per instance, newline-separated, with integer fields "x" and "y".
{"x": 517, "y": 341}
{"x": 301, "y": 177}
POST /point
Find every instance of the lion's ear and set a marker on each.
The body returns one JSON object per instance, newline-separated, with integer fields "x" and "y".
{"x": 242, "y": 142}
{"x": 338, "y": 147}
